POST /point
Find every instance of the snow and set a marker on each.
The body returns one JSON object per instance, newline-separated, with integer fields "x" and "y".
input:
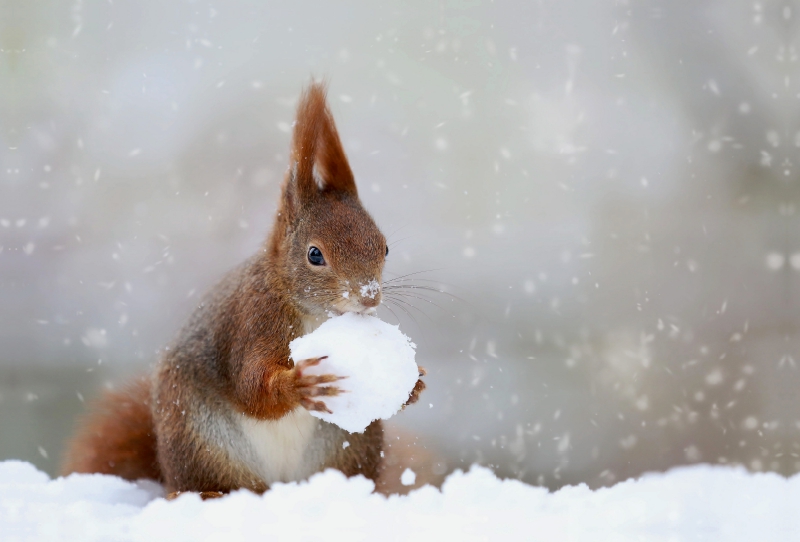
{"x": 408, "y": 477}
{"x": 376, "y": 359}
{"x": 370, "y": 289}
{"x": 689, "y": 503}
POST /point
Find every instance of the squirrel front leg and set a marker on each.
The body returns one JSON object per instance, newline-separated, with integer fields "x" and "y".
{"x": 418, "y": 388}
{"x": 272, "y": 390}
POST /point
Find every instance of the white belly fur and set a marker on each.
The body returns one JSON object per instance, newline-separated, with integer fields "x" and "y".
{"x": 278, "y": 447}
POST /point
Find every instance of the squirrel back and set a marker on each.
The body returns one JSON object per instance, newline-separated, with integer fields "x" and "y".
{"x": 227, "y": 408}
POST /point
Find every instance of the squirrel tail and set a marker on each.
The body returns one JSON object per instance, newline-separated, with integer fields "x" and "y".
{"x": 117, "y": 436}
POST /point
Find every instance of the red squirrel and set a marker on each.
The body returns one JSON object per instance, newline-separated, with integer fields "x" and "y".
{"x": 225, "y": 407}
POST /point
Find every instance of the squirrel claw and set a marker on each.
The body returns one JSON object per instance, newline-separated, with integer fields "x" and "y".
{"x": 313, "y": 380}
{"x": 310, "y": 362}
{"x": 318, "y": 406}
{"x": 325, "y": 391}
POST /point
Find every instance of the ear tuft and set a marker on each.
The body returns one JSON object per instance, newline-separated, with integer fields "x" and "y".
{"x": 318, "y": 157}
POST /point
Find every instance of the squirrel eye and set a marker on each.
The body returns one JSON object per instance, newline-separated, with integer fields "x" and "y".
{"x": 315, "y": 256}
{"x": 387, "y": 250}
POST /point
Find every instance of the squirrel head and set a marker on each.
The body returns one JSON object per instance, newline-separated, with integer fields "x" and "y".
{"x": 325, "y": 246}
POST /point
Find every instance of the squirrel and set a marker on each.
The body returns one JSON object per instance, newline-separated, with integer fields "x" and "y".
{"x": 225, "y": 408}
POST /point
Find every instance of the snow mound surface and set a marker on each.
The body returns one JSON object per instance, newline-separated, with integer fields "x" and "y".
{"x": 689, "y": 503}
{"x": 376, "y": 358}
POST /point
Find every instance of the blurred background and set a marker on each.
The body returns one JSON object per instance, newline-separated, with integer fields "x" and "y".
{"x": 605, "y": 192}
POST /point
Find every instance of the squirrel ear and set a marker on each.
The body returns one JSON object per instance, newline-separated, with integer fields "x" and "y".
{"x": 319, "y": 161}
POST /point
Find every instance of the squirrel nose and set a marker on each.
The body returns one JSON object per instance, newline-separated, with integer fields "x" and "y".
{"x": 370, "y": 294}
{"x": 371, "y": 302}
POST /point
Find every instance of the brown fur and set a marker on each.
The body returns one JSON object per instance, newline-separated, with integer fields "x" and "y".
{"x": 232, "y": 357}
{"x": 117, "y": 437}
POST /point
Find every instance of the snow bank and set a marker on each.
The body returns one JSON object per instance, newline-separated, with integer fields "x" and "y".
{"x": 376, "y": 358}
{"x": 690, "y": 503}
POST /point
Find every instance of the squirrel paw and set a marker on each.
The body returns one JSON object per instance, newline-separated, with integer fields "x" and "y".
{"x": 418, "y": 387}
{"x": 205, "y": 495}
{"x": 309, "y": 386}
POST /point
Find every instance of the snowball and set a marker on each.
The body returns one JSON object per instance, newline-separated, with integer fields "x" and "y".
{"x": 376, "y": 358}
{"x": 408, "y": 477}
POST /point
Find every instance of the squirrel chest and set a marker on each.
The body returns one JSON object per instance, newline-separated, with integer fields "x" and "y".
{"x": 279, "y": 450}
